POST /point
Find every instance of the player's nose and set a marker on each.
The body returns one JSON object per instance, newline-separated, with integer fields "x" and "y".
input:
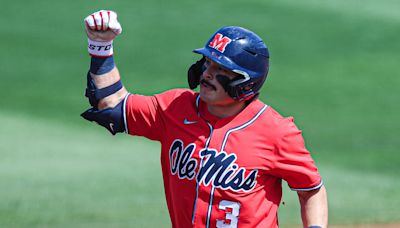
{"x": 208, "y": 73}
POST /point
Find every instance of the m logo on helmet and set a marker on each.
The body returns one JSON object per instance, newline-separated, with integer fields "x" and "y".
{"x": 220, "y": 42}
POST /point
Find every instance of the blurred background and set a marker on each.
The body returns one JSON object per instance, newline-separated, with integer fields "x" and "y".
{"x": 334, "y": 67}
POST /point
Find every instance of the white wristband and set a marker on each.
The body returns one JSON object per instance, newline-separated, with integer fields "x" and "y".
{"x": 100, "y": 48}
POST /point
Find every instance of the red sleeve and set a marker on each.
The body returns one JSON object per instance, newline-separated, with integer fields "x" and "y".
{"x": 294, "y": 163}
{"x": 146, "y": 115}
{"x": 141, "y": 117}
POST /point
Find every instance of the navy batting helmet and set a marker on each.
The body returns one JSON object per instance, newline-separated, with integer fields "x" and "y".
{"x": 241, "y": 51}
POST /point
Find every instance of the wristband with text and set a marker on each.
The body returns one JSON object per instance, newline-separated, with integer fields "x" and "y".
{"x": 100, "y": 49}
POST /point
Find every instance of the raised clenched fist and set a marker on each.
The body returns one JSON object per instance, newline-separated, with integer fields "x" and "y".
{"x": 102, "y": 26}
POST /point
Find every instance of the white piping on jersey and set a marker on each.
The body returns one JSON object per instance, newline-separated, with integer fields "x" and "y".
{"x": 197, "y": 105}
{"x": 124, "y": 113}
{"x": 241, "y": 127}
{"x": 201, "y": 165}
{"x": 210, "y": 206}
{"x": 308, "y": 189}
{"x": 222, "y": 149}
{"x": 201, "y": 161}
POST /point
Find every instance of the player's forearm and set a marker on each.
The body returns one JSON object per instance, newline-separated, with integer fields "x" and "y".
{"x": 314, "y": 208}
{"x": 105, "y": 80}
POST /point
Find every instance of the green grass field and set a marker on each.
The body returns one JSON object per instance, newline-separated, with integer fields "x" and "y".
{"x": 334, "y": 67}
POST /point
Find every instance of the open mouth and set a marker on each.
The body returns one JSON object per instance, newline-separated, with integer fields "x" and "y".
{"x": 207, "y": 84}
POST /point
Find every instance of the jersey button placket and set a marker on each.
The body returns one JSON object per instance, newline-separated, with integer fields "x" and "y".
{"x": 216, "y": 142}
{"x": 200, "y": 188}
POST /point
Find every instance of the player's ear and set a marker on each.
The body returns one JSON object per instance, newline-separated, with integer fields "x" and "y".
{"x": 194, "y": 73}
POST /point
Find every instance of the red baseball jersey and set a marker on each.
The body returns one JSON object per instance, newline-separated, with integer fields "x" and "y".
{"x": 222, "y": 172}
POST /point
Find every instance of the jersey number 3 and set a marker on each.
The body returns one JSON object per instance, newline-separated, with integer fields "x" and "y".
{"x": 231, "y": 214}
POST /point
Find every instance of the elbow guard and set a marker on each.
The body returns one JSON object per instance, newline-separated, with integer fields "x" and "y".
{"x": 99, "y": 66}
{"x": 94, "y": 94}
{"x": 111, "y": 118}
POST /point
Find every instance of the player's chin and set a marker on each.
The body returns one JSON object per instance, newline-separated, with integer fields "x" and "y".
{"x": 206, "y": 91}
{"x": 204, "y": 95}
{"x": 211, "y": 98}
{"x": 207, "y": 95}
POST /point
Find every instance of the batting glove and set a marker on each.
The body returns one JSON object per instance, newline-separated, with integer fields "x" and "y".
{"x": 101, "y": 28}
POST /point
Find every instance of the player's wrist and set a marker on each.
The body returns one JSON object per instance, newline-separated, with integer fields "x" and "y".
{"x": 100, "y": 49}
{"x": 101, "y": 65}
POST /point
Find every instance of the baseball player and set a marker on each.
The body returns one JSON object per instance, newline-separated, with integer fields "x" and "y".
{"x": 224, "y": 152}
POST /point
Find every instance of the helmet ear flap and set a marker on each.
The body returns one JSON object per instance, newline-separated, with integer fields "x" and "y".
{"x": 194, "y": 72}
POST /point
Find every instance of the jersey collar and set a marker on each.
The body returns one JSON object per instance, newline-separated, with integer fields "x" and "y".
{"x": 242, "y": 117}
